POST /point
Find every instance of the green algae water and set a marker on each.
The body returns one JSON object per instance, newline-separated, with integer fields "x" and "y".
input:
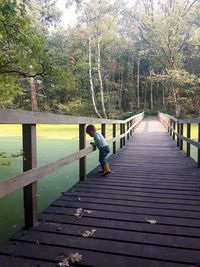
{"x": 53, "y": 142}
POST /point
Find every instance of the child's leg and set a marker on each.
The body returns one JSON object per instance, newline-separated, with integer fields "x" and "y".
{"x": 102, "y": 157}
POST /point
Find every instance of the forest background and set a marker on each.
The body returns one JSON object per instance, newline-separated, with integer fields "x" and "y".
{"x": 119, "y": 57}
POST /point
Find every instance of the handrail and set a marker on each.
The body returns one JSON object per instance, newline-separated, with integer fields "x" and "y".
{"x": 175, "y": 128}
{"x": 29, "y": 117}
{"x": 31, "y": 173}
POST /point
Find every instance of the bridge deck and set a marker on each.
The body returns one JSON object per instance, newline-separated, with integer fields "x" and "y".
{"x": 151, "y": 180}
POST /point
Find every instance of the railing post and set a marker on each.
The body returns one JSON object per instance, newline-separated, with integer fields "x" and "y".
{"x": 170, "y": 122}
{"x": 30, "y": 162}
{"x": 178, "y": 131}
{"x": 188, "y": 135}
{"x": 124, "y": 130}
{"x": 181, "y": 133}
{"x": 128, "y": 125}
{"x": 82, "y": 145}
{"x": 199, "y": 143}
{"x": 121, "y": 132}
{"x": 131, "y": 124}
{"x": 114, "y": 135}
{"x": 103, "y": 129}
{"x": 174, "y": 126}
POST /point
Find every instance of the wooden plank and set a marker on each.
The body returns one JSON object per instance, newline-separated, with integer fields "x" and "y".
{"x": 141, "y": 226}
{"x": 161, "y": 185}
{"x": 127, "y": 216}
{"x": 114, "y": 247}
{"x": 89, "y": 258}
{"x": 16, "y": 261}
{"x": 155, "y": 194}
{"x": 164, "y": 191}
{"x": 160, "y": 211}
{"x": 30, "y": 162}
{"x": 137, "y": 199}
{"x": 119, "y": 235}
{"x": 138, "y": 202}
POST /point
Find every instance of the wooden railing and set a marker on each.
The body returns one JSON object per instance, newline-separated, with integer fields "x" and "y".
{"x": 31, "y": 174}
{"x": 175, "y": 128}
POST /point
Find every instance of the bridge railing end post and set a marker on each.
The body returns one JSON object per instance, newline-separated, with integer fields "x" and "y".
{"x": 114, "y": 135}
{"x": 30, "y": 162}
{"x": 82, "y": 145}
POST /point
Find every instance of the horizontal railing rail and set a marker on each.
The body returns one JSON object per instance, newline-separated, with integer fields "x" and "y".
{"x": 175, "y": 128}
{"x": 31, "y": 173}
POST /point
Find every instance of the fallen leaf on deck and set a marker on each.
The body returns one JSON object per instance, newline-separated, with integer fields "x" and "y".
{"x": 64, "y": 263}
{"x": 73, "y": 258}
{"x": 79, "y": 213}
{"x": 152, "y": 221}
{"x": 89, "y": 233}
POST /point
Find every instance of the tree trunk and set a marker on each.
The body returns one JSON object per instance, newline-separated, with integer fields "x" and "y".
{"x": 100, "y": 79}
{"x": 138, "y": 83}
{"x": 145, "y": 96}
{"x": 34, "y": 104}
{"x": 90, "y": 78}
{"x": 120, "y": 90}
{"x": 151, "y": 89}
{"x": 163, "y": 97}
{"x": 177, "y": 102}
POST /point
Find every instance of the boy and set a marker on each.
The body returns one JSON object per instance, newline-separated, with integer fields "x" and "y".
{"x": 103, "y": 147}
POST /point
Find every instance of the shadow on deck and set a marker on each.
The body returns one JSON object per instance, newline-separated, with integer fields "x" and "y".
{"x": 146, "y": 213}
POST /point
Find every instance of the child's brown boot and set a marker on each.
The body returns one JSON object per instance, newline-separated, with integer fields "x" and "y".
{"x": 106, "y": 170}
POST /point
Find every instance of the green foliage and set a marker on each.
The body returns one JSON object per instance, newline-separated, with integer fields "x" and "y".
{"x": 163, "y": 38}
{"x": 9, "y": 88}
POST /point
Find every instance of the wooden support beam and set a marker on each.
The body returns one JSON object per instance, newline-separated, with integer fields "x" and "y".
{"x": 174, "y": 127}
{"x": 178, "y": 131}
{"x": 181, "y": 140}
{"x": 131, "y": 123}
{"x": 121, "y": 132}
{"x": 103, "y": 129}
{"x": 168, "y": 122}
{"x": 114, "y": 135}
{"x": 188, "y": 135}
{"x": 82, "y": 145}
{"x": 30, "y": 162}
{"x": 124, "y": 138}
{"x": 128, "y": 125}
{"x": 171, "y": 124}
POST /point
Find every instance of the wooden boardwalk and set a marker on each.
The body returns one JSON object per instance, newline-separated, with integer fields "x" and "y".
{"x": 151, "y": 180}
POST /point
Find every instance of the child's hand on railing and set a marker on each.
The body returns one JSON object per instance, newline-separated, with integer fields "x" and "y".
{"x": 93, "y": 144}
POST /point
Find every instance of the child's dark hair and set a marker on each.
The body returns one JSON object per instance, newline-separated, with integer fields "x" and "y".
{"x": 90, "y": 128}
